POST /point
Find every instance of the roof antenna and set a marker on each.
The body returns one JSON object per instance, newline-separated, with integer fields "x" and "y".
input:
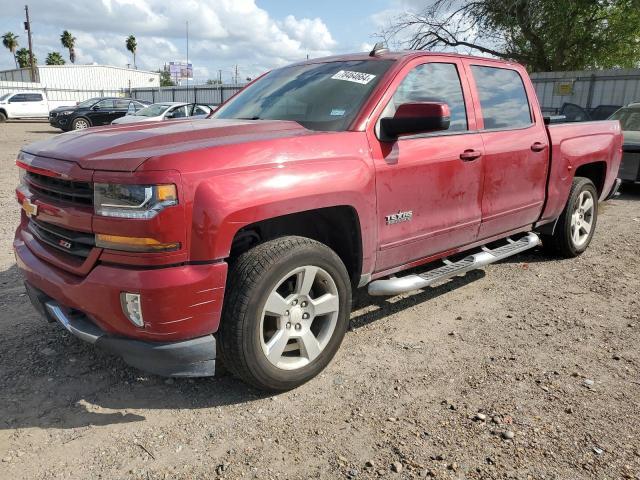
{"x": 378, "y": 49}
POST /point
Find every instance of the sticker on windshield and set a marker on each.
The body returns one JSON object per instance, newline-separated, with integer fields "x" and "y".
{"x": 338, "y": 112}
{"x": 356, "y": 77}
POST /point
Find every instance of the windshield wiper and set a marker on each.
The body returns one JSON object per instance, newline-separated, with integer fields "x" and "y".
{"x": 247, "y": 118}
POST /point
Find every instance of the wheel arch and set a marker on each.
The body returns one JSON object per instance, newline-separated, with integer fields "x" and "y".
{"x": 594, "y": 171}
{"x": 338, "y": 227}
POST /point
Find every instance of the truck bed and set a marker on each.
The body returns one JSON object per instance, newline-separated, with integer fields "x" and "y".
{"x": 574, "y": 145}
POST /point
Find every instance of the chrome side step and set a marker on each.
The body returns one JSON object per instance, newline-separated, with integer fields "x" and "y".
{"x": 398, "y": 285}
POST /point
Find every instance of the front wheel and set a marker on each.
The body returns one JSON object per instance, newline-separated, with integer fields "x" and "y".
{"x": 286, "y": 312}
{"x": 80, "y": 124}
{"x": 3, "y": 117}
{"x": 577, "y": 223}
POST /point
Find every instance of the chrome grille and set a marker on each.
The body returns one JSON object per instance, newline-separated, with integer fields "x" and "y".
{"x": 80, "y": 193}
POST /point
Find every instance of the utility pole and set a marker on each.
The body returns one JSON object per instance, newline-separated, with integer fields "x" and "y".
{"x": 220, "y": 76}
{"x": 236, "y": 75}
{"x": 27, "y": 27}
{"x": 187, "y": 60}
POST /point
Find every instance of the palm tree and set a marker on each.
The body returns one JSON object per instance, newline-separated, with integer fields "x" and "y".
{"x": 55, "y": 58}
{"x": 131, "y": 46}
{"x": 69, "y": 41}
{"x": 10, "y": 41}
{"x": 22, "y": 56}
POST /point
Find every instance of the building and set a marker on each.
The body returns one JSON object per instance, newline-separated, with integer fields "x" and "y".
{"x": 68, "y": 84}
{"x": 84, "y": 77}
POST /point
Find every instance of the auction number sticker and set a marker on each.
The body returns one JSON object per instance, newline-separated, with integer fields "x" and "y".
{"x": 356, "y": 77}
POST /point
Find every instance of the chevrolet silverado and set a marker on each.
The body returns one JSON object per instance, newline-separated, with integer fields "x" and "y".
{"x": 240, "y": 237}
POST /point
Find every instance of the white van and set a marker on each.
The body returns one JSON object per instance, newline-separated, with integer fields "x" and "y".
{"x": 24, "y": 104}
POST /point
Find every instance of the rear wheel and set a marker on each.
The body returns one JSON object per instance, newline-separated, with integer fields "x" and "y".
{"x": 286, "y": 312}
{"x": 80, "y": 124}
{"x": 577, "y": 224}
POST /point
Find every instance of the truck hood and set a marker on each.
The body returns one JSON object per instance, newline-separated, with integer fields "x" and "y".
{"x": 126, "y": 147}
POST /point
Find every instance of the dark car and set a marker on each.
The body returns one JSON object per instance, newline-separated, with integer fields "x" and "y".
{"x": 92, "y": 112}
{"x": 629, "y": 117}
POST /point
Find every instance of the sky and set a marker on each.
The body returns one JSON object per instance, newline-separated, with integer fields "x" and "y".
{"x": 255, "y": 35}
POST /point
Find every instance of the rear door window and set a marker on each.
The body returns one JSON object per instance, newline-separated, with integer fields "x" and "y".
{"x": 122, "y": 104}
{"x": 503, "y": 98}
{"x": 34, "y": 97}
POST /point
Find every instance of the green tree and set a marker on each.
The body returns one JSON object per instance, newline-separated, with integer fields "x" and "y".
{"x": 22, "y": 56}
{"x": 54, "y": 58}
{"x": 545, "y": 35}
{"x": 69, "y": 42}
{"x": 132, "y": 45}
{"x": 165, "y": 78}
{"x": 10, "y": 41}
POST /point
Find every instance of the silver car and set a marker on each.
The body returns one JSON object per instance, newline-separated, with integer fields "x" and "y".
{"x": 157, "y": 112}
{"x": 629, "y": 117}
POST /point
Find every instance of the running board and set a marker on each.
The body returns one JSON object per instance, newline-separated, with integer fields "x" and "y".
{"x": 398, "y": 285}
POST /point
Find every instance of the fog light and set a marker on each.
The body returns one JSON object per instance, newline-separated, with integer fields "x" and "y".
{"x": 132, "y": 307}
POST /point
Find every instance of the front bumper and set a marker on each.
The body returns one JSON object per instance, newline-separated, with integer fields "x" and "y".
{"x": 188, "y": 358}
{"x": 59, "y": 121}
{"x": 181, "y": 307}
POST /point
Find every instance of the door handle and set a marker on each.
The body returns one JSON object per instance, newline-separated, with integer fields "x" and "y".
{"x": 470, "y": 155}
{"x": 538, "y": 147}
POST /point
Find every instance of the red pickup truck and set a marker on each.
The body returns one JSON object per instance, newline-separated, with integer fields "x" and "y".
{"x": 241, "y": 237}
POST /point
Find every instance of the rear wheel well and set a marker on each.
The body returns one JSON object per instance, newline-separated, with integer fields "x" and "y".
{"x": 596, "y": 172}
{"x": 336, "y": 227}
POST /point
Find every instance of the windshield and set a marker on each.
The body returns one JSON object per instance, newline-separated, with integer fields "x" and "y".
{"x": 88, "y": 103}
{"x": 323, "y": 96}
{"x": 5, "y": 96}
{"x": 629, "y": 118}
{"x": 152, "y": 110}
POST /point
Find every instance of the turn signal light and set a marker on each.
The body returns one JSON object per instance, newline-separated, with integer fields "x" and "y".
{"x": 134, "y": 244}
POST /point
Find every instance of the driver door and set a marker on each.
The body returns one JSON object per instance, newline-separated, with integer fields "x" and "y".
{"x": 429, "y": 185}
{"x": 101, "y": 112}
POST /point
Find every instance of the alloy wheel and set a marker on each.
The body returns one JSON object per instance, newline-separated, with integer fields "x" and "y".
{"x": 299, "y": 317}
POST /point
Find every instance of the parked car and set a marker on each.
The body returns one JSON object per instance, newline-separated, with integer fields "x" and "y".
{"x": 165, "y": 111}
{"x": 242, "y": 236}
{"x": 575, "y": 113}
{"x": 92, "y": 112}
{"x": 629, "y": 118}
{"x": 26, "y": 104}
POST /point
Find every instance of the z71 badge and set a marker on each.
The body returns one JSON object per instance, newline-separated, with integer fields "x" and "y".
{"x": 399, "y": 217}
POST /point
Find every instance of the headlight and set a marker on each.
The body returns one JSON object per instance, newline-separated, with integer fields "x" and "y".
{"x": 133, "y": 201}
{"x": 69, "y": 112}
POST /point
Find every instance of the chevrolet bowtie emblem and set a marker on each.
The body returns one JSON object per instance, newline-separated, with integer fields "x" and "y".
{"x": 29, "y": 208}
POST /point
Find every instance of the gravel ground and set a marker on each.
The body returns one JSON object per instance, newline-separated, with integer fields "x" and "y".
{"x": 527, "y": 369}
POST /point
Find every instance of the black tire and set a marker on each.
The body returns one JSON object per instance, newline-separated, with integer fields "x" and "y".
{"x": 252, "y": 279}
{"x": 3, "y": 117}
{"x": 76, "y": 122}
{"x": 561, "y": 241}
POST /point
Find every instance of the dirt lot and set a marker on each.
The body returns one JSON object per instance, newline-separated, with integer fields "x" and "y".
{"x": 528, "y": 369}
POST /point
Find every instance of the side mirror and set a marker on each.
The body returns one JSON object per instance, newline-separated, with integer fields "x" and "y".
{"x": 95, "y": 107}
{"x": 169, "y": 115}
{"x": 418, "y": 117}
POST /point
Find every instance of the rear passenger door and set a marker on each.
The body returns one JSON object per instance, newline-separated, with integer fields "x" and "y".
{"x": 121, "y": 107}
{"x": 516, "y": 147}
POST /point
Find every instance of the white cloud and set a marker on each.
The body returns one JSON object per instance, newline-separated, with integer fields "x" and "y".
{"x": 222, "y": 33}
